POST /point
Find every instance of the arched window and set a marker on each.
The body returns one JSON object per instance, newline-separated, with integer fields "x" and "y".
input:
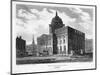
{"x": 60, "y": 49}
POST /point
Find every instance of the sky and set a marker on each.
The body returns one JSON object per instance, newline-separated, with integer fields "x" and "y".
{"x": 33, "y": 20}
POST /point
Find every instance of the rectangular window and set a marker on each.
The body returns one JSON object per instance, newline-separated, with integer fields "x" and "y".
{"x": 60, "y": 41}
{"x": 64, "y": 40}
{"x": 64, "y": 47}
{"x": 60, "y": 49}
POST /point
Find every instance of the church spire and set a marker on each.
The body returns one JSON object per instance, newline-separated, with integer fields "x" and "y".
{"x": 56, "y": 13}
{"x": 33, "y": 42}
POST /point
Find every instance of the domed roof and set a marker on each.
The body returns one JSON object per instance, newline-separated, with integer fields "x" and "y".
{"x": 57, "y": 20}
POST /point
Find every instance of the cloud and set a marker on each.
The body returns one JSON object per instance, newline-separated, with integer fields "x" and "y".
{"x": 33, "y": 26}
{"x": 65, "y": 18}
{"x": 84, "y": 21}
{"x": 23, "y": 13}
{"x": 37, "y": 22}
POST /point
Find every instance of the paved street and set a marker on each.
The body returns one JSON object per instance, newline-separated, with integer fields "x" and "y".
{"x": 53, "y": 59}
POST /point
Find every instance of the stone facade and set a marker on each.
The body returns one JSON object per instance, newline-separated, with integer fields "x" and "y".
{"x": 44, "y": 43}
{"x": 76, "y": 41}
{"x": 62, "y": 40}
{"x": 66, "y": 40}
{"x": 56, "y": 23}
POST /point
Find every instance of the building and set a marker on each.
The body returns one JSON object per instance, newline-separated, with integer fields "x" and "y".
{"x": 66, "y": 40}
{"x": 31, "y": 50}
{"x": 62, "y": 40}
{"x": 44, "y": 43}
{"x": 20, "y": 47}
{"x": 56, "y": 23}
{"x": 89, "y": 45}
{"x": 76, "y": 41}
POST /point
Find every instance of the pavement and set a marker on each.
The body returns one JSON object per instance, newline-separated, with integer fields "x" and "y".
{"x": 52, "y": 59}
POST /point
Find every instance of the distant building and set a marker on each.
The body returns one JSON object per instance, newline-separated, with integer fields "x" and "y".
{"x": 20, "y": 47}
{"x": 32, "y": 48}
{"x": 44, "y": 43}
{"x": 89, "y": 45}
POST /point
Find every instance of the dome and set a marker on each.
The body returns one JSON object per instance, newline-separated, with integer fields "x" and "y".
{"x": 56, "y": 23}
{"x": 56, "y": 20}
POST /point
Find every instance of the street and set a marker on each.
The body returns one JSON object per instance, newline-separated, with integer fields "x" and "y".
{"x": 52, "y": 59}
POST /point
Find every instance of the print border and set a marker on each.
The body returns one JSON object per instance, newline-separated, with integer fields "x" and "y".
{"x": 52, "y": 3}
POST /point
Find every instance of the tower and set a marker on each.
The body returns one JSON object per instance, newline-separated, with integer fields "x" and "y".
{"x": 56, "y": 23}
{"x": 33, "y": 43}
{"x": 56, "y": 13}
{"x": 34, "y": 50}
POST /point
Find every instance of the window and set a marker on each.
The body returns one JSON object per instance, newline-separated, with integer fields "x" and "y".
{"x": 60, "y": 41}
{"x": 64, "y": 48}
{"x": 64, "y": 40}
{"x": 60, "y": 48}
{"x": 64, "y": 36}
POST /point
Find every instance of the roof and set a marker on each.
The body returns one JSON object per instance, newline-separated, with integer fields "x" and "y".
{"x": 65, "y": 29}
{"x": 61, "y": 30}
{"x": 75, "y": 30}
{"x": 45, "y": 36}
